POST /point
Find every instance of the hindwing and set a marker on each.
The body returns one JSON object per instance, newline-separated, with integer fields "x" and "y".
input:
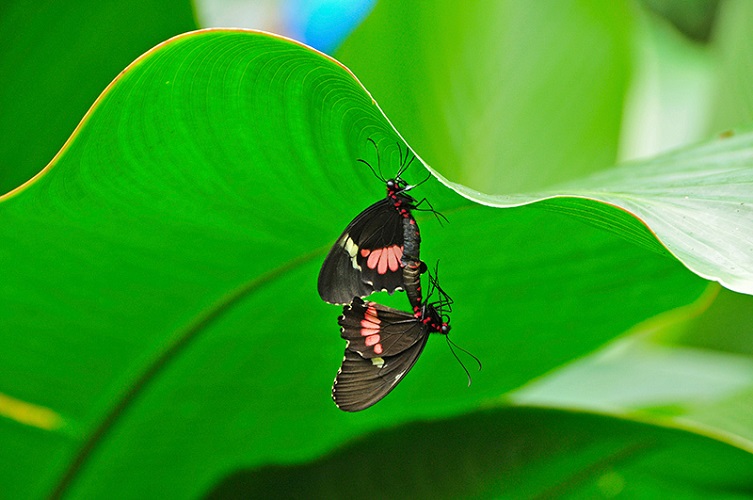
{"x": 373, "y": 330}
{"x": 361, "y": 382}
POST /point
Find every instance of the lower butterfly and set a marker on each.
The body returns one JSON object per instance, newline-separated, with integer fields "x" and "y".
{"x": 383, "y": 344}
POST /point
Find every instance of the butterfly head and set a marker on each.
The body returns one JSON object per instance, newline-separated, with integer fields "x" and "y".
{"x": 397, "y": 186}
{"x": 441, "y": 321}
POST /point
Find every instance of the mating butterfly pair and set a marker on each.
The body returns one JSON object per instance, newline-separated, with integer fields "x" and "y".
{"x": 380, "y": 251}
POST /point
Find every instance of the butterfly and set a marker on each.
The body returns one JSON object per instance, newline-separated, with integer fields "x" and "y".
{"x": 369, "y": 256}
{"x": 383, "y": 344}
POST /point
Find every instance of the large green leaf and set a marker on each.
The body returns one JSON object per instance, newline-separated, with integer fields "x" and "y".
{"x": 56, "y": 56}
{"x": 506, "y": 96}
{"x": 159, "y": 299}
{"x": 697, "y": 201}
{"x": 512, "y": 453}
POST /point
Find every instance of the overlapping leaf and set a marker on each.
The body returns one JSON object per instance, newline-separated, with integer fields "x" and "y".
{"x": 513, "y": 453}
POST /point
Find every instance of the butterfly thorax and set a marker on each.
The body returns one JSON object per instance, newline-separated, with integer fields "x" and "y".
{"x": 434, "y": 319}
{"x": 396, "y": 192}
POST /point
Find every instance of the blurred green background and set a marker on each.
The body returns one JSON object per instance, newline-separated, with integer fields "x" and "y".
{"x": 504, "y": 97}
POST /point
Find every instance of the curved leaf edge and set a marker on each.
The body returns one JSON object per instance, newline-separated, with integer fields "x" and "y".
{"x": 92, "y": 109}
{"x": 549, "y": 199}
{"x": 617, "y": 204}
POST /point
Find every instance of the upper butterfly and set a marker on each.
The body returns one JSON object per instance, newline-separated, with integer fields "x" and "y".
{"x": 371, "y": 253}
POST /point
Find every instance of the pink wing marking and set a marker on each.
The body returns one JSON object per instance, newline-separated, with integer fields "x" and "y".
{"x": 392, "y": 261}
{"x": 366, "y": 332}
{"x": 374, "y": 259}
{"x": 372, "y": 340}
{"x": 383, "y": 260}
{"x": 371, "y": 315}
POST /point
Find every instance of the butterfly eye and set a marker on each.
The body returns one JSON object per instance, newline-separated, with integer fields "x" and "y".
{"x": 445, "y": 328}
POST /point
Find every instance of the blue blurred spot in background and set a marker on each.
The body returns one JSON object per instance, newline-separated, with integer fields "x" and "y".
{"x": 323, "y": 24}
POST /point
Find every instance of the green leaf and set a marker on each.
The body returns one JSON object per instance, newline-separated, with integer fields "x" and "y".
{"x": 503, "y": 98}
{"x": 671, "y": 96}
{"x": 512, "y": 453}
{"x": 733, "y": 94}
{"x": 698, "y": 201}
{"x": 677, "y": 370}
{"x": 693, "y": 18}
{"x": 160, "y": 284}
{"x": 56, "y": 57}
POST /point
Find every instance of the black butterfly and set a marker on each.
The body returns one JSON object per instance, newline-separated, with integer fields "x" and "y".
{"x": 383, "y": 344}
{"x": 371, "y": 253}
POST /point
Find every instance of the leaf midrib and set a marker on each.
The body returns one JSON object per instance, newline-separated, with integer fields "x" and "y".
{"x": 179, "y": 343}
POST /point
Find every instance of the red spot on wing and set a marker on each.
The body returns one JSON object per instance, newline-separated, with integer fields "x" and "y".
{"x": 384, "y": 258}
{"x": 372, "y": 339}
{"x": 366, "y": 332}
{"x": 378, "y": 348}
{"x": 370, "y": 317}
{"x": 392, "y": 262}
{"x": 370, "y": 322}
{"x": 374, "y": 258}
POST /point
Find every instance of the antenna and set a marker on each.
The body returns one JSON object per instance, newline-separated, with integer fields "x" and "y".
{"x": 379, "y": 175}
{"x": 404, "y": 162}
{"x": 452, "y": 344}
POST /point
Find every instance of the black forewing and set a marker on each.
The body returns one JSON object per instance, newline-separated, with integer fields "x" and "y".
{"x": 341, "y": 277}
{"x": 396, "y": 330}
{"x": 361, "y": 382}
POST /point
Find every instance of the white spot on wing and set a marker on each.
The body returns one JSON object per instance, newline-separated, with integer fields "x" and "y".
{"x": 352, "y": 249}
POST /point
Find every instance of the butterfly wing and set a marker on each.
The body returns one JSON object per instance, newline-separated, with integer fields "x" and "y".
{"x": 366, "y": 258}
{"x": 361, "y": 382}
{"x": 373, "y": 330}
{"x": 383, "y": 345}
